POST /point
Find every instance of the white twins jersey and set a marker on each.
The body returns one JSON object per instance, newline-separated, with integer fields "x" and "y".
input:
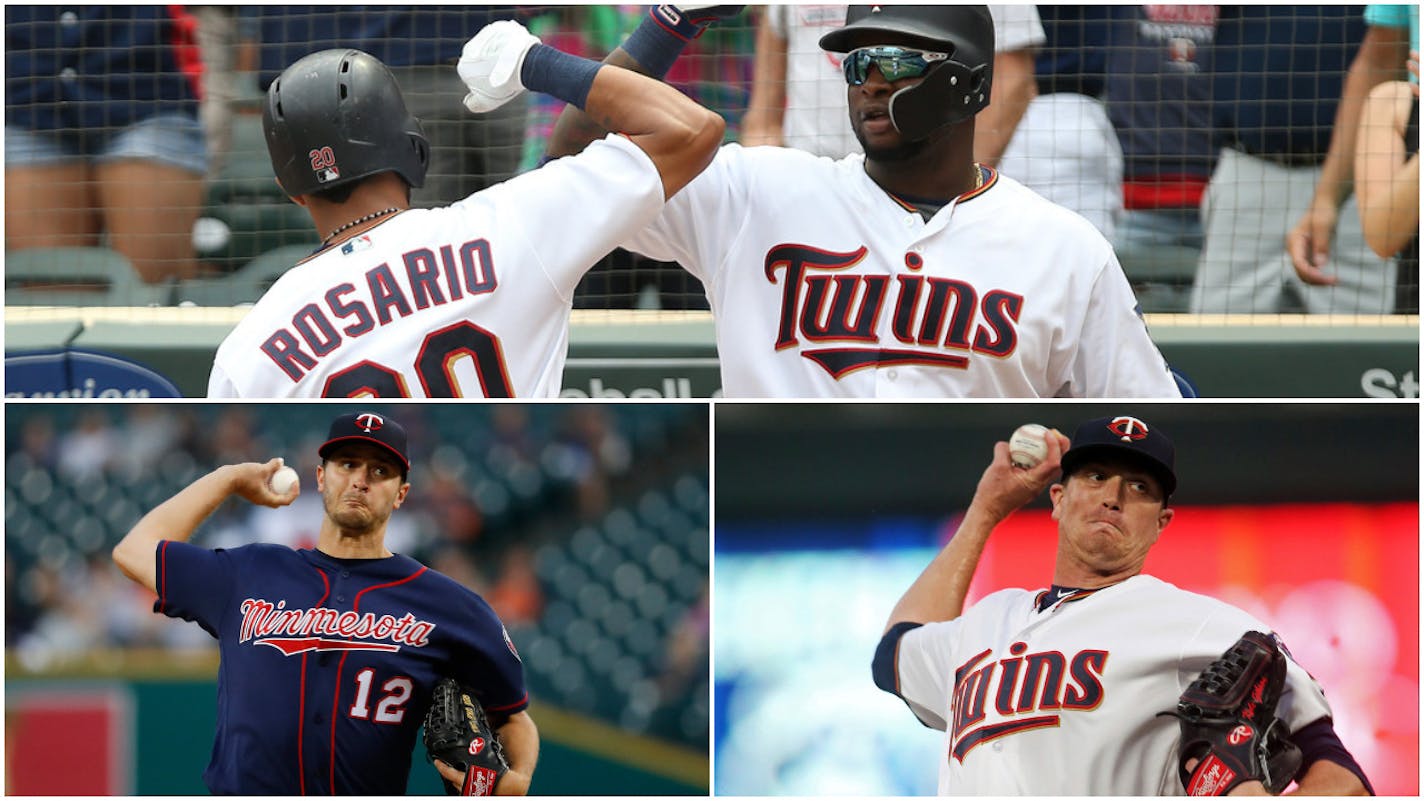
{"x": 468, "y": 300}
{"x": 1063, "y": 702}
{"x": 824, "y": 285}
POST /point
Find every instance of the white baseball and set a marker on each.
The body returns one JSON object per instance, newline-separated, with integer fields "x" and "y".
{"x": 1026, "y": 446}
{"x": 283, "y": 480}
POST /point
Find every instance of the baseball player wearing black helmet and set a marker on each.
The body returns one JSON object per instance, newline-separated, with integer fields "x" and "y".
{"x": 337, "y": 117}
{"x": 957, "y": 86}
{"x": 903, "y": 272}
{"x": 467, "y": 300}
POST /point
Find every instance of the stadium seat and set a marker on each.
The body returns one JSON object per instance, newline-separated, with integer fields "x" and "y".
{"x": 83, "y": 276}
{"x": 246, "y": 174}
{"x": 246, "y": 213}
{"x": 245, "y": 285}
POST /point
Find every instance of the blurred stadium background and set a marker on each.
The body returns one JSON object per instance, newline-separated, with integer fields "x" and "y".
{"x": 640, "y": 327}
{"x": 585, "y": 526}
{"x": 1305, "y": 515}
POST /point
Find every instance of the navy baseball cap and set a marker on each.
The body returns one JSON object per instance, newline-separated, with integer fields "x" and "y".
{"x": 1124, "y": 436}
{"x": 371, "y": 428}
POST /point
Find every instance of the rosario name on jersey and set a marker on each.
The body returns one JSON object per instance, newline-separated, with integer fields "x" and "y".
{"x": 469, "y": 300}
{"x": 824, "y": 285}
{"x": 1064, "y": 701}
{"x": 328, "y": 664}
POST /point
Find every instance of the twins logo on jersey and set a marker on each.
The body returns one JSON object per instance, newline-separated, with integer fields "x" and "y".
{"x": 936, "y": 321}
{"x": 295, "y": 631}
{"x": 1028, "y": 691}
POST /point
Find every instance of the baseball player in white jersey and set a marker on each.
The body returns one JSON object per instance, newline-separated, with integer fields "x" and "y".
{"x": 1056, "y": 691}
{"x": 470, "y": 300}
{"x": 910, "y": 271}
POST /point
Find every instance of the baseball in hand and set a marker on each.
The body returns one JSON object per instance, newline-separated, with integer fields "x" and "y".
{"x": 283, "y": 480}
{"x": 1026, "y": 446}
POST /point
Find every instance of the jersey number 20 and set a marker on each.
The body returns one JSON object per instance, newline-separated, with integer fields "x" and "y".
{"x": 434, "y": 366}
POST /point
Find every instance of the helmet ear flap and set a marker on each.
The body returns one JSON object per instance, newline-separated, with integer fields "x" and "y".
{"x": 949, "y": 93}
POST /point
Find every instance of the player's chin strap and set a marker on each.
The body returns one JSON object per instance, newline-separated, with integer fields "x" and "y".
{"x": 950, "y": 93}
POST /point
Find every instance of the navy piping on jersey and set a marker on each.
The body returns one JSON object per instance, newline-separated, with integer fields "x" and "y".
{"x": 988, "y": 175}
{"x": 341, "y": 665}
{"x": 1038, "y": 601}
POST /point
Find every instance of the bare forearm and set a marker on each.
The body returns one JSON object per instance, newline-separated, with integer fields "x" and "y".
{"x": 939, "y": 592}
{"x": 174, "y": 519}
{"x": 766, "y": 108}
{"x": 1012, "y": 91}
{"x": 520, "y": 738}
{"x": 1380, "y": 58}
{"x": 1321, "y": 778}
{"x": 1328, "y": 778}
{"x": 575, "y": 128}
{"x": 680, "y": 136}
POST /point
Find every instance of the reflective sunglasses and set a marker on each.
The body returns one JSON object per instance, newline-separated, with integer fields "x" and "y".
{"x": 895, "y": 63}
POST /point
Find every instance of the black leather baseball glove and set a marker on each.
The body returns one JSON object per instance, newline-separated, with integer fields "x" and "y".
{"x": 458, "y": 733}
{"x": 1228, "y": 721}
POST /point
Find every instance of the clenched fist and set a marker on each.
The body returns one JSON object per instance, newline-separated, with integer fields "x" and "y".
{"x": 490, "y": 64}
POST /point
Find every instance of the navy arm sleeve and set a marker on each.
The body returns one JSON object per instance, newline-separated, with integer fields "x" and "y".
{"x": 1319, "y": 742}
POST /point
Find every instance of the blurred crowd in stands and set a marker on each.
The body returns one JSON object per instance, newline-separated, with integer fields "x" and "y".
{"x": 526, "y": 505}
{"x": 1216, "y": 146}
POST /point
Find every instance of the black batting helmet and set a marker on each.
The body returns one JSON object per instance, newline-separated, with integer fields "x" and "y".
{"x": 337, "y": 116}
{"x": 953, "y": 90}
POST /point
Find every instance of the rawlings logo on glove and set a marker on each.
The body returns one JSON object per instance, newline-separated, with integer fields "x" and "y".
{"x": 458, "y": 733}
{"x": 1229, "y": 725}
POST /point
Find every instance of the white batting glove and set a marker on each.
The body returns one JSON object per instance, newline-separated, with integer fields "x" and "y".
{"x": 490, "y": 63}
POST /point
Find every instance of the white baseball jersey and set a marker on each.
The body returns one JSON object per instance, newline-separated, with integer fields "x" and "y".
{"x": 816, "y": 118}
{"x": 1063, "y": 702}
{"x": 468, "y": 300}
{"x": 824, "y": 285}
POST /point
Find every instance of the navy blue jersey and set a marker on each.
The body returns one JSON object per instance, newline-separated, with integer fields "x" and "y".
{"x": 327, "y": 665}
{"x": 1073, "y": 57}
{"x": 75, "y": 68}
{"x": 1159, "y": 83}
{"x": 1279, "y": 74}
{"x": 400, "y": 36}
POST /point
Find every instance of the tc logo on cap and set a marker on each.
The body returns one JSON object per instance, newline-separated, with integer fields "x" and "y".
{"x": 371, "y": 423}
{"x": 1130, "y": 429}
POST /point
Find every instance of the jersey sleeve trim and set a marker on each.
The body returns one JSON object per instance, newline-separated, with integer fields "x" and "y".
{"x": 509, "y": 709}
{"x": 161, "y": 577}
{"x": 884, "y": 668}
